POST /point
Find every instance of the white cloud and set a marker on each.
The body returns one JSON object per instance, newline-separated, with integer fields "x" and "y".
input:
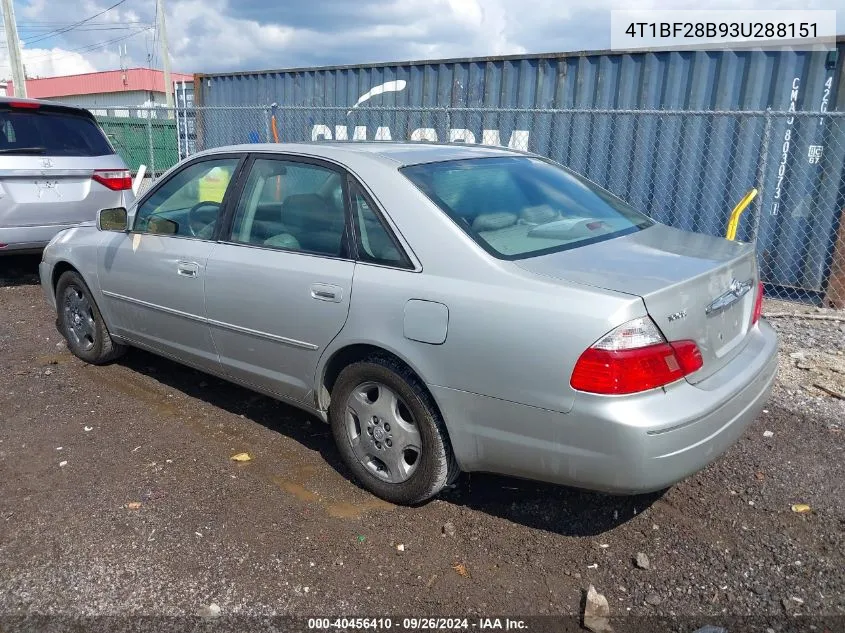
{"x": 222, "y": 37}
{"x": 57, "y": 61}
{"x": 42, "y": 62}
{"x": 225, "y": 35}
{"x": 45, "y": 62}
{"x": 56, "y": 55}
{"x": 468, "y": 11}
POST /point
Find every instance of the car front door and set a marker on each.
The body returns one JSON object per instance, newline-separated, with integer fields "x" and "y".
{"x": 277, "y": 290}
{"x": 153, "y": 277}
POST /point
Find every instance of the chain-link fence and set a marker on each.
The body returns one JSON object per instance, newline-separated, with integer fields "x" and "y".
{"x": 688, "y": 169}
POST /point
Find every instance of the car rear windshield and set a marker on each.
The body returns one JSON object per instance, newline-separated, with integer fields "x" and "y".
{"x": 50, "y": 133}
{"x": 517, "y": 207}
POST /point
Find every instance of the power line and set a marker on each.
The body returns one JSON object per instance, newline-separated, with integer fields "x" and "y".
{"x": 86, "y": 48}
{"x": 93, "y": 47}
{"x": 87, "y": 25}
{"x": 135, "y": 29}
{"x": 62, "y": 23}
{"x": 90, "y": 25}
{"x": 102, "y": 28}
{"x": 70, "y": 27}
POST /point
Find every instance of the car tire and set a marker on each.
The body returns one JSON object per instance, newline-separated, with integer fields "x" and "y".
{"x": 80, "y": 322}
{"x": 370, "y": 386}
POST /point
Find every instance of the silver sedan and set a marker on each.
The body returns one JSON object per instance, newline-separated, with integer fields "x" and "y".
{"x": 444, "y": 308}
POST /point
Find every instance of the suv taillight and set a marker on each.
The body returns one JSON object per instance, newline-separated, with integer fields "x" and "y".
{"x": 632, "y": 358}
{"x": 114, "y": 179}
{"x": 758, "y": 304}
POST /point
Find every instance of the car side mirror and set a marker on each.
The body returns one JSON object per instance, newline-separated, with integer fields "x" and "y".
{"x": 112, "y": 219}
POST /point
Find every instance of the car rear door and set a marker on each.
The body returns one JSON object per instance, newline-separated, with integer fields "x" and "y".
{"x": 277, "y": 291}
{"x": 153, "y": 277}
{"x": 56, "y": 166}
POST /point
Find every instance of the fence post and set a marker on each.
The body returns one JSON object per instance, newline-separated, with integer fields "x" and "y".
{"x": 761, "y": 173}
{"x": 178, "y": 128}
{"x": 835, "y": 294}
{"x": 150, "y": 148}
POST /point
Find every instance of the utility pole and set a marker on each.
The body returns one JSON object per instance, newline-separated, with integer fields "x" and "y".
{"x": 14, "y": 44}
{"x": 165, "y": 52}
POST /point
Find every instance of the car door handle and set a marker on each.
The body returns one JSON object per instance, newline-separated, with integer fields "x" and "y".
{"x": 187, "y": 269}
{"x": 327, "y": 292}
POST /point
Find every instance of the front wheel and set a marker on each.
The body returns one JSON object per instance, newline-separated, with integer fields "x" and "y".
{"x": 81, "y": 323}
{"x": 389, "y": 432}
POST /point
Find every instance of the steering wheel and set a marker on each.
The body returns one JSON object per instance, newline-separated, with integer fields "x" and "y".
{"x": 201, "y": 216}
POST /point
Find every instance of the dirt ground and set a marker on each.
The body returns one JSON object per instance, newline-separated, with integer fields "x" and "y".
{"x": 118, "y": 496}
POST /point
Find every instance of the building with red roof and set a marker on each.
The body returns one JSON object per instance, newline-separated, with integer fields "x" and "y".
{"x": 138, "y": 87}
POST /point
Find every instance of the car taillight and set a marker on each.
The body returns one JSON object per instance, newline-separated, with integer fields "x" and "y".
{"x": 25, "y": 105}
{"x": 632, "y": 358}
{"x": 758, "y": 304}
{"x": 114, "y": 179}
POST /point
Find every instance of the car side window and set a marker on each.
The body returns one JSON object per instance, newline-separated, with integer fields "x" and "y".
{"x": 189, "y": 203}
{"x": 292, "y": 206}
{"x": 376, "y": 244}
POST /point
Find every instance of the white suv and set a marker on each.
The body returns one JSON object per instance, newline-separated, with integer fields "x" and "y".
{"x": 57, "y": 169}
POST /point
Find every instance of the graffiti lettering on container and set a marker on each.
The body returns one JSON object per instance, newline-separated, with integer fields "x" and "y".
{"x": 518, "y": 138}
{"x": 787, "y": 141}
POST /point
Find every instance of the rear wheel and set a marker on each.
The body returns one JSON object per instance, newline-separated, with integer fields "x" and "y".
{"x": 389, "y": 432}
{"x": 81, "y": 323}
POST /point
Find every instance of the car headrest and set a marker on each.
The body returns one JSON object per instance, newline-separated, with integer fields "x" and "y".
{"x": 268, "y": 212}
{"x": 493, "y": 221}
{"x": 283, "y": 240}
{"x": 305, "y": 208}
{"x": 539, "y": 214}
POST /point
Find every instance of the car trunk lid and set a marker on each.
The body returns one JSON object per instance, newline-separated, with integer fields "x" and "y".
{"x": 695, "y": 287}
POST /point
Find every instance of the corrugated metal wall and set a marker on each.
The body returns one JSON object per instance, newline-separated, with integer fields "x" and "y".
{"x": 112, "y": 100}
{"x": 695, "y": 168}
{"x": 696, "y": 80}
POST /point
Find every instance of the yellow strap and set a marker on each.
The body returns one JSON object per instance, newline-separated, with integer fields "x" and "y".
{"x": 733, "y": 224}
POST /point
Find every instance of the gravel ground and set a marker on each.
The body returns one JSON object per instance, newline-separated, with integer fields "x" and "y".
{"x": 118, "y": 496}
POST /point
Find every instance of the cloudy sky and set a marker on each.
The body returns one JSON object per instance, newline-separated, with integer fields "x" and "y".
{"x": 225, "y": 35}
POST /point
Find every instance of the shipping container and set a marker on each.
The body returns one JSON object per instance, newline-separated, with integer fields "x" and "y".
{"x": 647, "y": 79}
{"x": 686, "y": 167}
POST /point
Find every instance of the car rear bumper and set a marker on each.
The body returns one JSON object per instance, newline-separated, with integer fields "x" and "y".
{"x": 29, "y": 238}
{"x": 617, "y": 444}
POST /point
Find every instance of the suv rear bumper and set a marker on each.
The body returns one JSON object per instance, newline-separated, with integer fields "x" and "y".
{"x": 29, "y": 238}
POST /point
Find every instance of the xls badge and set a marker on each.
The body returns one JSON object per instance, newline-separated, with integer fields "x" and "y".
{"x": 677, "y": 316}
